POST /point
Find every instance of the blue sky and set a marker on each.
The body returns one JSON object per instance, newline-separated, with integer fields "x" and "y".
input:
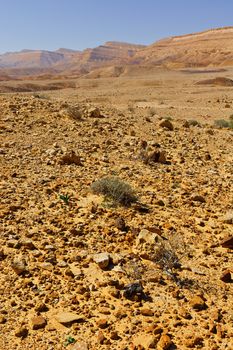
{"x": 78, "y": 24}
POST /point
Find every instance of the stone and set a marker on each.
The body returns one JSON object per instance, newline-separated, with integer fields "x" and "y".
{"x": 102, "y": 259}
{"x": 114, "y": 335}
{"x": 228, "y": 218}
{"x": 76, "y": 271}
{"x": 71, "y": 112}
{"x": 165, "y": 123}
{"x": 184, "y": 313}
{"x": 164, "y": 342}
{"x": 226, "y": 276}
{"x": 133, "y": 289}
{"x": 47, "y": 266}
{"x": 94, "y": 112}
{"x": 193, "y": 342}
{"x": 227, "y": 242}
{"x": 21, "y": 332}
{"x": 148, "y": 237}
{"x": 13, "y": 243}
{"x": 100, "y": 337}
{"x": 144, "y": 341}
{"x": 2, "y": 319}
{"x": 41, "y": 307}
{"x": 79, "y": 346}
{"x": 27, "y": 244}
{"x": 120, "y": 224}
{"x": 186, "y": 124}
{"x": 19, "y": 266}
{"x": 197, "y": 303}
{"x": 70, "y": 158}
{"x": 198, "y": 198}
{"x": 102, "y": 323}
{"x": 68, "y": 317}
{"x": 157, "y": 156}
{"x": 147, "y": 312}
{"x": 2, "y": 255}
{"x": 38, "y": 322}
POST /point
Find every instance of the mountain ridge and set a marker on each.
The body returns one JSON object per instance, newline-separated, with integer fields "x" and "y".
{"x": 213, "y": 47}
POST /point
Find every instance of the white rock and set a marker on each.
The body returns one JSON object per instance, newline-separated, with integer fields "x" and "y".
{"x": 102, "y": 259}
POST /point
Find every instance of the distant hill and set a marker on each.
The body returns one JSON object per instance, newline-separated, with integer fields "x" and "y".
{"x": 211, "y": 48}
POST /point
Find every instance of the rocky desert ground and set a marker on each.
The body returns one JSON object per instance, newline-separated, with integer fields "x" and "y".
{"x": 79, "y": 271}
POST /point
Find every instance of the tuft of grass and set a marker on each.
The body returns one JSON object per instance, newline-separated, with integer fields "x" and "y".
{"x": 65, "y": 198}
{"x": 69, "y": 340}
{"x": 115, "y": 190}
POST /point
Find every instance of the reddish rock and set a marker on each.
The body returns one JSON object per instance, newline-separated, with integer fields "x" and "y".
{"x": 226, "y": 276}
{"x": 102, "y": 323}
{"x": 164, "y": 343}
{"x": 147, "y": 312}
{"x": 38, "y": 322}
{"x": 70, "y": 158}
{"x": 21, "y": 332}
{"x": 197, "y": 303}
{"x": 227, "y": 243}
{"x": 100, "y": 337}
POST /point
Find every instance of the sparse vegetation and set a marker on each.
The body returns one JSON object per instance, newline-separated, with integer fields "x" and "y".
{"x": 167, "y": 258}
{"x": 168, "y": 118}
{"x": 69, "y": 340}
{"x": 193, "y": 122}
{"x": 65, "y": 198}
{"x": 115, "y": 190}
{"x": 223, "y": 123}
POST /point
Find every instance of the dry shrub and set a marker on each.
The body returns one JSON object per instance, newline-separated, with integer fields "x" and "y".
{"x": 116, "y": 190}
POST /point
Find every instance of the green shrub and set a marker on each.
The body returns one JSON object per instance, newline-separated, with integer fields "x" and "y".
{"x": 65, "y": 198}
{"x": 116, "y": 190}
{"x": 222, "y": 123}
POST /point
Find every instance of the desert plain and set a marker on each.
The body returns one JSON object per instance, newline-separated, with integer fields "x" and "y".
{"x": 78, "y": 271}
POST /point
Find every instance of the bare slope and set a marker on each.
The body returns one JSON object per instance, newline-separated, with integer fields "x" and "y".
{"x": 209, "y": 48}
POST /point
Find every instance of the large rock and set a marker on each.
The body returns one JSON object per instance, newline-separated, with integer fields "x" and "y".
{"x": 68, "y": 317}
